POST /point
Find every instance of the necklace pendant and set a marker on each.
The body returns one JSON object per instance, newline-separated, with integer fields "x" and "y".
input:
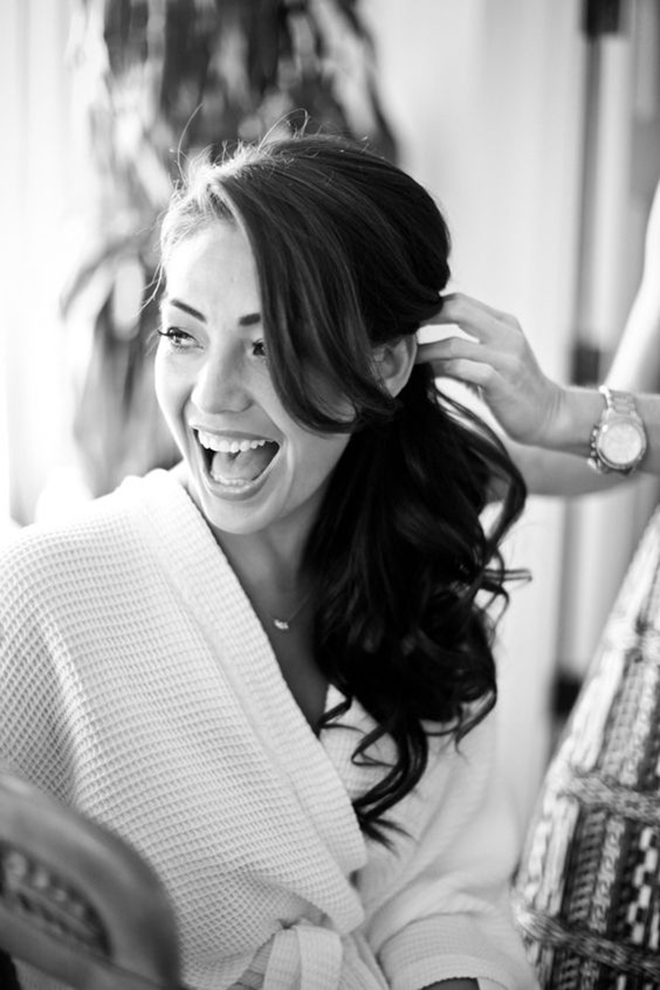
{"x": 281, "y": 624}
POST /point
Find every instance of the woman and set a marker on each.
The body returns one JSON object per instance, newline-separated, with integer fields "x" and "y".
{"x": 271, "y": 670}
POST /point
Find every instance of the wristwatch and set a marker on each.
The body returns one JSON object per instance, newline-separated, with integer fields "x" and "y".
{"x": 618, "y": 440}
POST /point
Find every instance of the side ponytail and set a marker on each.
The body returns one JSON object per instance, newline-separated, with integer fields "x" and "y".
{"x": 401, "y": 555}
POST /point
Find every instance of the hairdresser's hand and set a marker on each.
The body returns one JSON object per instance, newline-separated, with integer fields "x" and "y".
{"x": 500, "y": 362}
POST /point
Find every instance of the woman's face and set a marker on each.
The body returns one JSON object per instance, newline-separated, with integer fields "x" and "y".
{"x": 251, "y": 466}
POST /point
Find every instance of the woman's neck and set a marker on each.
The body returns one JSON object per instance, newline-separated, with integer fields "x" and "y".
{"x": 268, "y": 565}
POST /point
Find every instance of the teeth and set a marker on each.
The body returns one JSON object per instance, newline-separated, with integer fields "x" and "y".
{"x": 224, "y": 446}
{"x": 232, "y": 482}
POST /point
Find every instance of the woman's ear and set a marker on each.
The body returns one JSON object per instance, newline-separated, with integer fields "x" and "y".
{"x": 395, "y": 361}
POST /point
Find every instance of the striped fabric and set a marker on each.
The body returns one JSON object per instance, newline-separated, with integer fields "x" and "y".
{"x": 587, "y": 897}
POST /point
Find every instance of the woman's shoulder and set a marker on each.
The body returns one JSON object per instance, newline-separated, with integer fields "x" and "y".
{"x": 41, "y": 551}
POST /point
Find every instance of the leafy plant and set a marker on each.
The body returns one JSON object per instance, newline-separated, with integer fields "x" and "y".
{"x": 156, "y": 81}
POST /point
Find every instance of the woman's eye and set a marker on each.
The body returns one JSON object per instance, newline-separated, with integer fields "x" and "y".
{"x": 259, "y": 348}
{"x": 176, "y": 336}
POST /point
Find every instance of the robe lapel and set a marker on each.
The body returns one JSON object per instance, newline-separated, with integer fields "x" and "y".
{"x": 242, "y": 652}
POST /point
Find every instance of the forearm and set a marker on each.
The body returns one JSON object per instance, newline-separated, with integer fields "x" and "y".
{"x": 636, "y": 363}
{"x": 555, "y": 473}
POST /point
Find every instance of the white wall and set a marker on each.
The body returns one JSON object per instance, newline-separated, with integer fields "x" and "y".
{"x": 38, "y": 176}
{"x": 603, "y": 530}
{"x": 10, "y": 17}
{"x": 486, "y": 98}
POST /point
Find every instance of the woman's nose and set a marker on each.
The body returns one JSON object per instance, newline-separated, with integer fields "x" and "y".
{"x": 220, "y": 385}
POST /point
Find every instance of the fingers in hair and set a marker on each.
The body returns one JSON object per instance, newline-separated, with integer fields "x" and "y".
{"x": 474, "y": 317}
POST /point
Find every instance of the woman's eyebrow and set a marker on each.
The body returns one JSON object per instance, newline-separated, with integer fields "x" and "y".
{"x": 185, "y": 307}
{"x": 249, "y": 320}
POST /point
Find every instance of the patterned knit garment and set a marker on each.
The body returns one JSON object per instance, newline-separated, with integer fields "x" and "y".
{"x": 588, "y": 892}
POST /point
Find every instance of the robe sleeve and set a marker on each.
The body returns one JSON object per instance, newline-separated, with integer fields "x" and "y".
{"x": 438, "y": 904}
{"x": 32, "y": 725}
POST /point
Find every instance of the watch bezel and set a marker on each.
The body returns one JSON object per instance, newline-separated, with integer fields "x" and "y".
{"x": 612, "y": 421}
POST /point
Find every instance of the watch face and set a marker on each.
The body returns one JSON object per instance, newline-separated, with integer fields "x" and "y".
{"x": 621, "y": 443}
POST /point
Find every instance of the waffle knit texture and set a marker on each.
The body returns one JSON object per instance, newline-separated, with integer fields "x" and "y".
{"x": 138, "y": 685}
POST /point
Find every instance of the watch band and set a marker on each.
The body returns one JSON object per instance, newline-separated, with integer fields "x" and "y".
{"x": 619, "y": 402}
{"x": 594, "y": 459}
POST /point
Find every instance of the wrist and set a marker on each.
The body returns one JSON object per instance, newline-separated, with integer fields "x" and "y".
{"x": 578, "y": 409}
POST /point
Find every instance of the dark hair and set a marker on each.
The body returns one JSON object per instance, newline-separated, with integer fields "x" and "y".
{"x": 351, "y": 252}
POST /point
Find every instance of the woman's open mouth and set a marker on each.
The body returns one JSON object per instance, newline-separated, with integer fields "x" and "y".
{"x": 236, "y": 461}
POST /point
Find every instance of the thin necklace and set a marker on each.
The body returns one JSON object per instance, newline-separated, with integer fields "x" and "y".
{"x": 284, "y": 625}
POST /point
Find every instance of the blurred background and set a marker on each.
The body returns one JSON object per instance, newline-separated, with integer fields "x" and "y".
{"x": 535, "y": 123}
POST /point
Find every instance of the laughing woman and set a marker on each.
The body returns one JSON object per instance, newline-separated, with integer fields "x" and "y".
{"x": 270, "y": 670}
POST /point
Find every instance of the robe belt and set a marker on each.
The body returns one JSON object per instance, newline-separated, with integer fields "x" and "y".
{"x": 309, "y": 957}
{"x": 314, "y": 953}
